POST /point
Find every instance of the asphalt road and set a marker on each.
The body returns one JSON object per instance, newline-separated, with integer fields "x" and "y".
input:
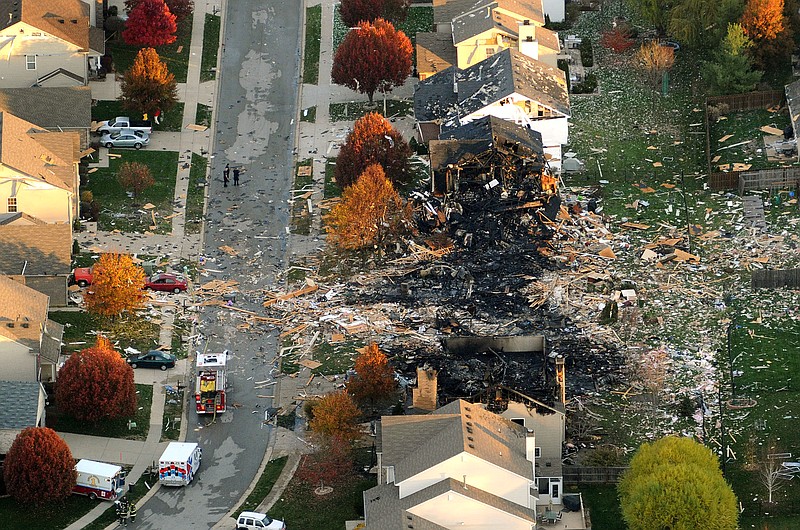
{"x": 255, "y": 131}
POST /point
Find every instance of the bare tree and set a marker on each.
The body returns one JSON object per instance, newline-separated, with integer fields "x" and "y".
{"x": 771, "y": 472}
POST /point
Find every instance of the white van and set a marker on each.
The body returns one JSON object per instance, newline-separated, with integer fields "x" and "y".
{"x": 258, "y": 521}
{"x": 179, "y": 463}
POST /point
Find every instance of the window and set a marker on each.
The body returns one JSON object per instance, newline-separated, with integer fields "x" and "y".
{"x": 519, "y": 421}
{"x": 12, "y": 205}
{"x": 30, "y": 62}
{"x": 537, "y": 452}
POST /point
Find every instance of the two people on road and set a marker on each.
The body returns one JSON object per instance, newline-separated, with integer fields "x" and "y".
{"x": 226, "y": 175}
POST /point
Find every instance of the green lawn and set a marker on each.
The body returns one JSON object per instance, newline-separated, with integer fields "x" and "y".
{"x": 331, "y": 188}
{"x": 603, "y": 505}
{"x": 301, "y": 220}
{"x": 353, "y": 110}
{"x": 301, "y": 509}
{"x": 208, "y": 64}
{"x": 309, "y": 115}
{"x": 264, "y": 485}
{"x": 80, "y": 328}
{"x": 176, "y": 61}
{"x": 171, "y": 425}
{"x": 743, "y": 126}
{"x": 108, "y": 428}
{"x": 171, "y": 121}
{"x": 195, "y": 198}
{"x": 118, "y": 209}
{"x": 56, "y": 515}
{"x": 311, "y": 50}
{"x": 203, "y": 115}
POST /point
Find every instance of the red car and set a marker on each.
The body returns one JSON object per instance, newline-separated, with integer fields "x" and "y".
{"x": 164, "y": 281}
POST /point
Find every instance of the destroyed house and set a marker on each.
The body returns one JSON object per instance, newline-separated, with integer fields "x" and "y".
{"x": 486, "y": 153}
{"x": 793, "y": 102}
{"x": 460, "y": 465}
{"x": 508, "y": 85}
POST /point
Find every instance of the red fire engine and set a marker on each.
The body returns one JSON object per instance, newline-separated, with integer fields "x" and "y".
{"x": 210, "y": 389}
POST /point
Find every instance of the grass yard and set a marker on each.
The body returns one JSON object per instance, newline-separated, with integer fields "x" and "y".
{"x": 738, "y": 127}
{"x": 208, "y": 63}
{"x": 420, "y": 19}
{"x": 301, "y": 219}
{"x": 331, "y": 188}
{"x": 355, "y": 109}
{"x": 171, "y": 420}
{"x": 171, "y": 121}
{"x": 195, "y": 197}
{"x": 118, "y": 209}
{"x": 175, "y": 55}
{"x": 309, "y": 115}
{"x": 203, "y": 115}
{"x": 108, "y": 428}
{"x": 264, "y": 485}
{"x": 311, "y": 49}
{"x": 80, "y": 329}
{"x": 301, "y": 509}
{"x": 603, "y": 505}
{"x": 765, "y": 356}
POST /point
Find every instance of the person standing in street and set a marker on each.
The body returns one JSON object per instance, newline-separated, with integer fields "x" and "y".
{"x": 236, "y": 176}
{"x": 226, "y": 175}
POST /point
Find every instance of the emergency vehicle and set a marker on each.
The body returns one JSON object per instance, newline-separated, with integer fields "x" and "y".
{"x": 210, "y": 388}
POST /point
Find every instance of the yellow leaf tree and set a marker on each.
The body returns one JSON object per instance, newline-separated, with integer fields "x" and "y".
{"x": 116, "y": 286}
{"x": 373, "y": 383}
{"x": 370, "y": 211}
{"x": 148, "y": 86}
{"x": 763, "y": 19}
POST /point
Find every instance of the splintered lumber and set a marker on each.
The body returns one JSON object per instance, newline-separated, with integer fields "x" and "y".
{"x": 607, "y": 253}
{"x": 637, "y": 226}
{"x": 228, "y": 250}
{"x": 294, "y": 330}
{"x": 308, "y": 363}
{"x": 217, "y": 286}
{"x": 310, "y": 287}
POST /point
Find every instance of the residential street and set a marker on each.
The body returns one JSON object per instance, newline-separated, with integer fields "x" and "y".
{"x": 255, "y": 131}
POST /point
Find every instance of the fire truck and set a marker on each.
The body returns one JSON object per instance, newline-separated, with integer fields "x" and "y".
{"x": 210, "y": 389}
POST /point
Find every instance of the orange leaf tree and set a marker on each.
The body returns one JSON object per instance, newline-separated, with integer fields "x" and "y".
{"x": 39, "y": 467}
{"x": 370, "y": 211}
{"x": 180, "y": 8}
{"x": 763, "y": 20}
{"x": 96, "y": 384}
{"x": 374, "y": 382}
{"x": 373, "y": 139}
{"x": 150, "y": 23}
{"x": 148, "y": 85}
{"x": 117, "y": 284}
{"x": 336, "y": 415}
{"x": 373, "y": 56}
{"x": 135, "y": 177}
{"x": 655, "y": 59}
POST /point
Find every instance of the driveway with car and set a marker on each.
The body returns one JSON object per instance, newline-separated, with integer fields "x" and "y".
{"x": 125, "y": 138}
{"x": 152, "y": 359}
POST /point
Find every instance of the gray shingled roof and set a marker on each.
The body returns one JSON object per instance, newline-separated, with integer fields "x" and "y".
{"x": 19, "y": 404}
{"x": 18, "y": 302}
{"x": 39, "y": 249}
{"x": 36, "y": 105}
{"x": 415, "y": 443}
{"x": 530, "y": 9}
{"x": 468, "y": 25}
{"x": 488, "y": 82}
{"x": 435, "y": 52}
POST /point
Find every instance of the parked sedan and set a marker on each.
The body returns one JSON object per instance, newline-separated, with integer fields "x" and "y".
{"x": 152, "y": 359}
{"x": 174, "y": 283}
{"x": 125, "y": 138}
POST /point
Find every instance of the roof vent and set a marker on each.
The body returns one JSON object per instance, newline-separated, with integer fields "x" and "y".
{"x": 529, "y": 38}
{"x": 526, "y": 22}
{"x": 469, "y": 423}
{"x": 472, "y": 446}
{"x": 10, "y": 324}
{"x": 61, "y": 20}
{"x": 26, "y": 325}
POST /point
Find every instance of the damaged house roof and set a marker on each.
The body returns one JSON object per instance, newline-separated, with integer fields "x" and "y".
{"x": 454, "y": 93}
{"x": 793, "y": 102}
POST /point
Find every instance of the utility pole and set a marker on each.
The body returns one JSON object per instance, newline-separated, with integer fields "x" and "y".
{"x": 730, "y": 357}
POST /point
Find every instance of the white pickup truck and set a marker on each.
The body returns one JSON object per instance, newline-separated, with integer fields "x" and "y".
{"x": 123, "y": 122}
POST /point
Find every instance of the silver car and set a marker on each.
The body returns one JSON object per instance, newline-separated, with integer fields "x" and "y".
{"x": 125, "y": 138}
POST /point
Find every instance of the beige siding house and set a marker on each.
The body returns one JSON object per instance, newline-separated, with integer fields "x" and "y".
{"x": 38, "y": 171}
{"x": 30, "y": 343}
{"x": 48, "y": 43}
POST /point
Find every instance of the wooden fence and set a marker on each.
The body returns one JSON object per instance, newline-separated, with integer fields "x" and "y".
{"x": 773, "y": 179}
{"x": 592, "y": 475}
{"x": 749, "y": 101}
{"x": 775, "y": 279}
{"x": 723, "y": 181}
